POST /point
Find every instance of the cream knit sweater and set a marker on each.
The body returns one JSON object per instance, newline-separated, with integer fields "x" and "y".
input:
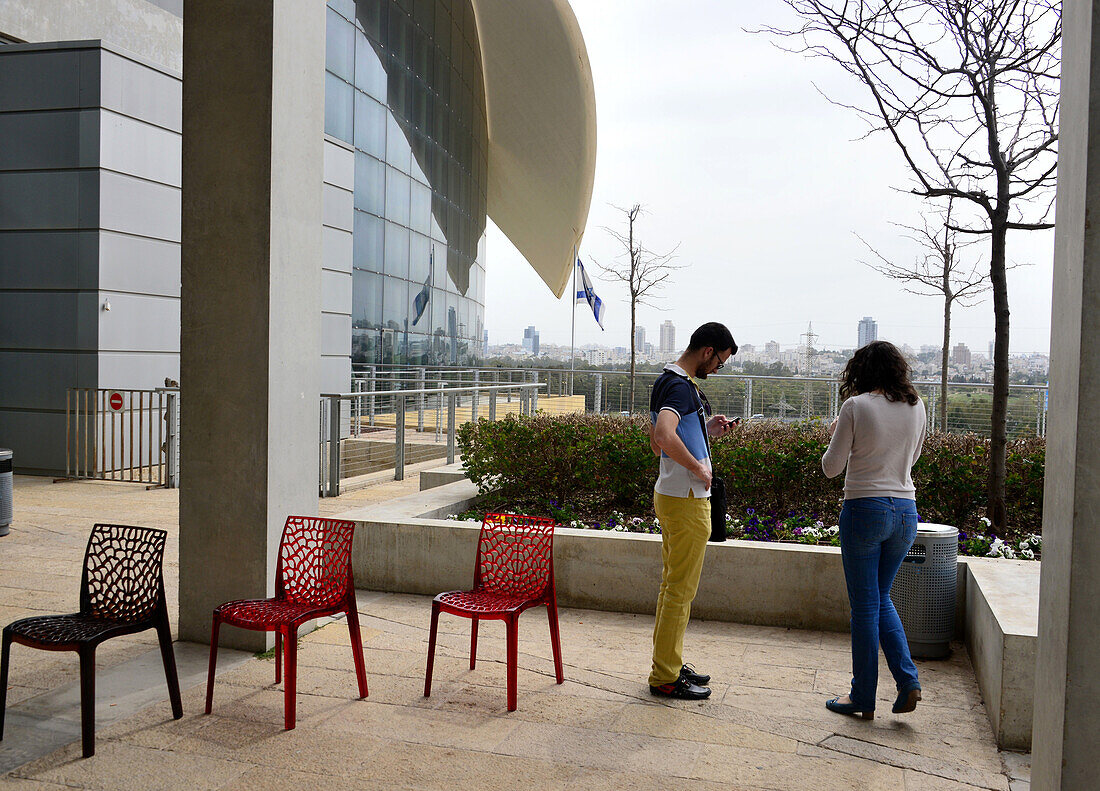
{"x": 879, "y": 441}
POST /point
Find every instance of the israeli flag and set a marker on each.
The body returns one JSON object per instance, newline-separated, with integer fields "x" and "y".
{"x": 586, "y": 294}
{"x": 421, "y": 300}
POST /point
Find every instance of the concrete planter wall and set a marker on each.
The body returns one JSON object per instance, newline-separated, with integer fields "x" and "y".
{"x": 407, "y": 546}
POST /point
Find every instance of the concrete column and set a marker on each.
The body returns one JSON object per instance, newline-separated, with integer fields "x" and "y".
{"x": 1066, "y": 737}
{"x": 253, "y": 122}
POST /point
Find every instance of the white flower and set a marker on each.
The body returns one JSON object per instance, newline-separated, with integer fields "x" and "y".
{"x": 1009, "y": 552}
{"x": 1027, "y": 553}
{"x": 819, "y": 524}
{"x": 1023, "y": 545}
{"x": 832, "y": 531}
{"x": 985, "y": 521}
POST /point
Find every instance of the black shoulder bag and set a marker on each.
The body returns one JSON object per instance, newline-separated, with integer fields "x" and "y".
{"x": 717, "y": 485}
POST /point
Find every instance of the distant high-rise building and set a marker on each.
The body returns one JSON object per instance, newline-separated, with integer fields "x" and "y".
{"x": 639, "y": 339}
{"x": 991, "y": 343}
{"x": 960, "y": 355}
{"x": 868, "y": 331}
{"x": 668, "y": 337}
{"x": 771, "y": 351}
{"x": 485, "y": 344}
{"x": 531, "y": 341}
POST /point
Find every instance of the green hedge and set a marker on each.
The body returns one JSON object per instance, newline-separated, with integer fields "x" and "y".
{"x": 585, "y": 466}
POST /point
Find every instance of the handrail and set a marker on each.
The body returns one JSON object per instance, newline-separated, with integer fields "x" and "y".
{"x": 435, "y": 390}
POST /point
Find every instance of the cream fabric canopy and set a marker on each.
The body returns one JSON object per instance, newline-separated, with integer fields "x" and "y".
{"x": 541, "y": 109}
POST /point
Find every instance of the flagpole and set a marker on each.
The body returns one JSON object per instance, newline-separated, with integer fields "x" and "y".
{"x": 573, "y": 335}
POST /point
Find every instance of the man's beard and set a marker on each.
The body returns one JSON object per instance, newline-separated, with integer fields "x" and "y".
{"x": 701, "y": 370}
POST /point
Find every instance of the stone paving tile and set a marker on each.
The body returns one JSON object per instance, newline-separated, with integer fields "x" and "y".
{"x": 588, "y": 779}
{"x": 421, "y": 766}
{"x": 674, "y": 723}
{"x": 1018, "y": 765}
{"x": 793, "y": 771}
{"x": 927, "y": 764}
{"x": 118, "y": 766}
{"x": 918, "y": 781}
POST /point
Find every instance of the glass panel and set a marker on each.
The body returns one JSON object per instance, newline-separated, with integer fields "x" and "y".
{"x": 366, "y": 300}
{"x": 398, "y": 151}
{"x": 367, "y": 242}
{"x": 345, "y": 7}
{"x": 339, "y": 45}
{"x": 338, "y": 111}
{"x": 370, "y": 74}
{"x": 370, "y": 125}
{"x": 420, "y": 258}
{"x": 425, "y": 318}
{"x": 370, "y": 184}
{"x": 398, "y": 186}
{"x": 395, "y": 303}
{"x": 397, "y": 250}
{"x": 420, "y": 208}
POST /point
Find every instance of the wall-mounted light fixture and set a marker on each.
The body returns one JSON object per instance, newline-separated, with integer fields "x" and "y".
{"x": 106, "y": 304}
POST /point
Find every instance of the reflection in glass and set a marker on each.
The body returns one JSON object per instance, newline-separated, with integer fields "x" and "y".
{"x": 339, "y": 46}
{"x": 370, "y": 184}
{"x": 370, "y": 125}
{"x": 368, "y": 243}
{"x": 338, "y": 110}
{"x": 366, "y": 305}
{"x": 397, "y": 250}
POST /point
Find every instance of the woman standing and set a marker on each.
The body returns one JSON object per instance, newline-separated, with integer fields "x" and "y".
{"x": 877, "y": 436}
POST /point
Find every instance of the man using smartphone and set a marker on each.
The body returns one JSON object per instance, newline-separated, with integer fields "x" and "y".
{"x": 681, "y": 498}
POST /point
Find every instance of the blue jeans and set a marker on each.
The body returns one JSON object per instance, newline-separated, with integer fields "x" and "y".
{"x": 875, "y": 535}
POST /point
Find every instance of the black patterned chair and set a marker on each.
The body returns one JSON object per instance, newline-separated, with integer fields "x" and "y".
{"x": 121, "y": 592}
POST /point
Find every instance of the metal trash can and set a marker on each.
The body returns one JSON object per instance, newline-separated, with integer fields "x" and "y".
{"x": 924, "y": 590}
{"x": 6, "y": 498}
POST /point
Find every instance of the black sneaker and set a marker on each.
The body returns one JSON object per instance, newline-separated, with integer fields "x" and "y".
{"x": 680, "y": 688}
{"x": 687, "y": 672}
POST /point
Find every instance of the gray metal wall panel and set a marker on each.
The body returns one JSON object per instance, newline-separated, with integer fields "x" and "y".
{"x": 134, "y": 264}
{"x": 38, "y": 380}
{"x": 140, "y": 323}
{"x": 338, "y": 207}
{"x": 48, "y": 260}
{"x": 339, "y": 166}
{"x": 49, "y": 79}
{"x": 47, "y": 320}
{"x": 137, "y": 371}
{"x": 336, "y": 374}
{"x": 54, "y": 140}
{"x": 37, "y": 439}
{"x": 138, "y": 149}
{"x": 139, "y": 207}
{"x": 337, "y": 251}
{"x": 140, "y": 91}
{"x": 335, "y": 334}
{"x": 49, "y": 200}
{"x": 335, "y": 292}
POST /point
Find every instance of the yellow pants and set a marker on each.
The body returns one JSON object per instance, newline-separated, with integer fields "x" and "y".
{"x": 685, "y": 530}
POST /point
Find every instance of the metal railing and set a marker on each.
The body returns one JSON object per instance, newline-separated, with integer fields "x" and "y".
{"x": 788, "y": 399}
{"x": 122, "y": 435}
{"x": 373, "y": 429}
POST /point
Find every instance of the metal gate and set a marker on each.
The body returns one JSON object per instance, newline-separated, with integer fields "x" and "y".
{"x": 122, "y": 435}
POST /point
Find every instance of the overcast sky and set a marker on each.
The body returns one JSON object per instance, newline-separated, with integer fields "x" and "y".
{"x": 761, "y": 182}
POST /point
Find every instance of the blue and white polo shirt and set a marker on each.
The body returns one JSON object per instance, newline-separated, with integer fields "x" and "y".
{"x": 674, "y": 391}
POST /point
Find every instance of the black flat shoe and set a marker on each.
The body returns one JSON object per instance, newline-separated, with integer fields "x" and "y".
{"x": 687, "y": 672}
{"x": 682, "y": 689}
{"x": 907, "y": 701}
{"x": 848, "y": 708}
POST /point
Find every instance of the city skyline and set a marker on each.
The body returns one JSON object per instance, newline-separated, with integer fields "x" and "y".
{"x": 768, "y": 240}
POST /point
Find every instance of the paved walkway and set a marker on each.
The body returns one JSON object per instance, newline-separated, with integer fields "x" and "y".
{"x": 765, "y": 727}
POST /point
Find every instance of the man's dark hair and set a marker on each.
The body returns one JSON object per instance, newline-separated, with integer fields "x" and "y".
{"x": 715, "y": 335}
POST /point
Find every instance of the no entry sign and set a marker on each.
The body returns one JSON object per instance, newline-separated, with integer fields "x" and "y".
{"x": 114, "y": 400}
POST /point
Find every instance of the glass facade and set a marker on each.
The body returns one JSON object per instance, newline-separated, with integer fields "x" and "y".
{"x": 404, "y": 88}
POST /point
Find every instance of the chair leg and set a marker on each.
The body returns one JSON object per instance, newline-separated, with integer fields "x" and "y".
{"x": 168, "y": 657}
{"x": 290, "y": 645}
{"x": 431, "y": 650}
{"x": 473, "y": 643}
{"x": 5, "y": 658}
{"x": 513, "y": 659}
{"x": 278, "y": 656}
{"x": 357, "y": 646}
{"x": 87, "y": 701}
{"x": 555, "y": 638}
{"x": 215, "y": 625}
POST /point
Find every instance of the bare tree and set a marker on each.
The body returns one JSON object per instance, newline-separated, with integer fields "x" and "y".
{"x": 643, "y": 272}
{"x": 940, "y": 271}
{"x": 968, "y": 91}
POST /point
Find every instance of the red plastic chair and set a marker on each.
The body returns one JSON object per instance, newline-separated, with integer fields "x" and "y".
{"x": 121, "y": 592}
{"x": 312, "y": 579}
{"x": 514, "y": 571}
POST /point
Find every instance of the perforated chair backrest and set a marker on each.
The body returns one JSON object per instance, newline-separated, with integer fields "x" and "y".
{"x": 122, "y": 577}
{"x": 314, "y": 560}
{"x": 515, "y": 555}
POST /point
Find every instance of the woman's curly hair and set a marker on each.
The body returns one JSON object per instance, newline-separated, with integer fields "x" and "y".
{"x": 878, "y": 366}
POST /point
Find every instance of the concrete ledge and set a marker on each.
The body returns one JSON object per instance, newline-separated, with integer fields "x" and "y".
{"x": 404, "y": 546}
{"x": 1002, "y": 627}
{"x": 440, "y": 476}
